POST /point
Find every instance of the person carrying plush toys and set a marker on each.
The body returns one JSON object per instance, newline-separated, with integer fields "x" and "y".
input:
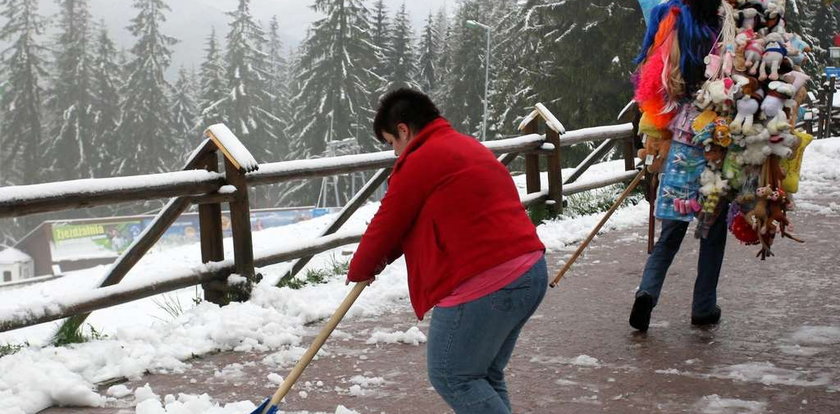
{"x": 680, "y": 34}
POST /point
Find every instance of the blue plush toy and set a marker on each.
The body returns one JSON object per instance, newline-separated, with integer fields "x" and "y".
{"x": 647, "y": 6}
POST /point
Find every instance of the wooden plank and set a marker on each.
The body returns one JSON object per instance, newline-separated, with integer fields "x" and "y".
{"x": 508, "y": 158}
{"x": 240, "y": 222}
{"x": 590, "y": 159}
{"x": 272, "y": 173}
{"x": 120, "y": 190}
{"x": 357, "y": 201}
{"x": 210, "y": 227}
{"x": 555, "y": 173}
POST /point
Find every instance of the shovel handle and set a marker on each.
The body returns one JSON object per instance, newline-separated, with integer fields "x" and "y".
{"x": 317, "y": 343}
{"x": 597, "y": 228}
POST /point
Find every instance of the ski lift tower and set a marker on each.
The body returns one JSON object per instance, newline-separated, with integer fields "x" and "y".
{"x": 332, "y": 193}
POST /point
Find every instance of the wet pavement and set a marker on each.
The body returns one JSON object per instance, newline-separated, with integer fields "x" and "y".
{"x": 777, "y": 349}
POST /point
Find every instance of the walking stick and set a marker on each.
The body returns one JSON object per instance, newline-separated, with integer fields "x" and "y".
{"x": 597, "y": 228}
{"x": 270, "y": 406}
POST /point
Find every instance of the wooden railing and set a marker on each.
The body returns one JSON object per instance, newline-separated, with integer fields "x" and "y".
{"x": 201, "y": 183}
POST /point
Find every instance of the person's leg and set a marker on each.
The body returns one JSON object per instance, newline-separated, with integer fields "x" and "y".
{"x": 704, "y": 308}
{"x": 656, "y": 267}
{"x": 495, "y": 374}
{"x": 465, "y": 340}
{"x": 670, "y": 239}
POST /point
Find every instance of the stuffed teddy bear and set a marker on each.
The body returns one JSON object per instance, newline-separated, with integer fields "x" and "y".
{"x": 747, "y": 105}
{"x": 774, "y": 53}
{"x": 773, "y": 106}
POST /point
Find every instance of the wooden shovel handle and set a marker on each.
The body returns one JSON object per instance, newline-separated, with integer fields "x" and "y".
{"x": 317, "y": 343}
{"x": 597, "y": 228}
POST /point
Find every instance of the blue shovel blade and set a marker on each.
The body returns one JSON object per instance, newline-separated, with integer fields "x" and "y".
{"x": 272, "y": 410}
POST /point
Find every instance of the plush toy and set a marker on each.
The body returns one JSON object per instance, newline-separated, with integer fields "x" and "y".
{"x": 717, "y": 95}
{"x": 754, "y": 147}
{"x": 748, "y": 104}
{"x": 781, "y": 144}
{"x": 712, "y": 185}
{"x": 796, "y": 78}
{"x": 797, "y": 49}
{"x": 773, "y": 106}
{"x": 654, "y": 153}
{"x": 715, "y": 154}
{"x": 774, "y": 53}
{"x": 753, "y": 53}
{"x": 774, "y": 16}
{"x": 757, "y": 217}
{"x": 750, "y": 15}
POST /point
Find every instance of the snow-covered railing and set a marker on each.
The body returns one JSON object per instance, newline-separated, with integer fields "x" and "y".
{"x": 201, "y": 183}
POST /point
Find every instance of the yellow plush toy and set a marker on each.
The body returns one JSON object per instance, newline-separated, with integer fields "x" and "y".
{"x": 792, "y": 165}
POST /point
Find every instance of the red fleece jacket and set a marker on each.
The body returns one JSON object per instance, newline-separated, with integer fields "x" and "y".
{"x": 454, "y": 211}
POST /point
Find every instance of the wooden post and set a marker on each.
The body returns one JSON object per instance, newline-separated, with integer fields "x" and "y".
{"x": 629, "y": 153}
{"x": 555, "y": 173}
{"x": 532, "y": 161}
{"x": 240, "y": 222}
{"x": 829, "y": 106}
{"x": 210, "y": 225}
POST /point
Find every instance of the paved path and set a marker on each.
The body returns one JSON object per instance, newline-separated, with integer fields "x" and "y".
{"x": 777, "y": 349}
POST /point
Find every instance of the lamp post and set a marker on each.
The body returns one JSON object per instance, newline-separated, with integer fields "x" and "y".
{"x": 475, "y": 24}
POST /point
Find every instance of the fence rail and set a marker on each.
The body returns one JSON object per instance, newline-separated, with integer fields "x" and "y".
{"x": 201, "y": 183}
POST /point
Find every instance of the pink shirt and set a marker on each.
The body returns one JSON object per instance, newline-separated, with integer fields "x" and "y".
{"x": 491, "y": 279}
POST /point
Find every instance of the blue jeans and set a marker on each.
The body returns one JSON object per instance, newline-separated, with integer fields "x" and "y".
{"x": 469, "y": 345}
{"x": 708, "y": 263}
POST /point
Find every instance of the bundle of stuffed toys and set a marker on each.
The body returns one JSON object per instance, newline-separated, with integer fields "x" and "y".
{"x": 733, "y": 139}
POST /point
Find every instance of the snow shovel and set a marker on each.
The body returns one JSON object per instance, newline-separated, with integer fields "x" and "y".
{"x": 597, "y": 228}
{"x": 269, "y": 406}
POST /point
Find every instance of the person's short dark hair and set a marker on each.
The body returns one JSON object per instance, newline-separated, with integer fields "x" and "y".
{"x": 404, "y": 105}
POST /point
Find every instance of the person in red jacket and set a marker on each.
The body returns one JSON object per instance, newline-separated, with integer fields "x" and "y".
{"x": 471, "y": 251}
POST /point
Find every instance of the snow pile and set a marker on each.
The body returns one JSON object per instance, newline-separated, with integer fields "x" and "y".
{"x": 714, "y": 404}
{"x": 580, "y": 360}
{"x": 769, "y": 374}
{"x": 413, "y": 336}
{"x": 817, "y": 335}
{"x": 819, "y": 174}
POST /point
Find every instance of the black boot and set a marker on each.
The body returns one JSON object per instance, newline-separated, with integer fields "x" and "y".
{"x": 711, "y": 318}
{"x": 640, "y": 315}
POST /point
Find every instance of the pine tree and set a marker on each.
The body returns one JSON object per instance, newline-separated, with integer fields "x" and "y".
{"x": 184, "y": 112}
{"x": 246, "y": 108}
{"x": 443, "y": 30}
{"x": 400, "y": 66}
{"x": 21, "y": 134}
{"x": 380, "y": 30}
{"x": 826, "y": 24}
{"x": 462, "y": 94}
{"x": 147, "y": 142}
{"x": 278, "y": 86}
{"x": 72, "y": 148}
{"x": 105, "y": 106}
{"x": 213, "y": 84}
{"x": 333, "y": 100}
{"x": 428, "y": 56}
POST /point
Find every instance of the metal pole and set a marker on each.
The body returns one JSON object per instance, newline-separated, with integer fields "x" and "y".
{"x": 486, "y": 86}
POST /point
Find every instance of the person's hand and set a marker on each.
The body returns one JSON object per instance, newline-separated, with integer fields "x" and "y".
{"x": 369, "y": 281}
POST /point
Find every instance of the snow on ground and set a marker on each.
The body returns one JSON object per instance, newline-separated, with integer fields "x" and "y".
{"x": 162, "y": 334}
{"x": 714, "y": 404}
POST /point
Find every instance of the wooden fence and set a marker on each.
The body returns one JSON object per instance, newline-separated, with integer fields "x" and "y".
{"x": 202, "y": 183}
